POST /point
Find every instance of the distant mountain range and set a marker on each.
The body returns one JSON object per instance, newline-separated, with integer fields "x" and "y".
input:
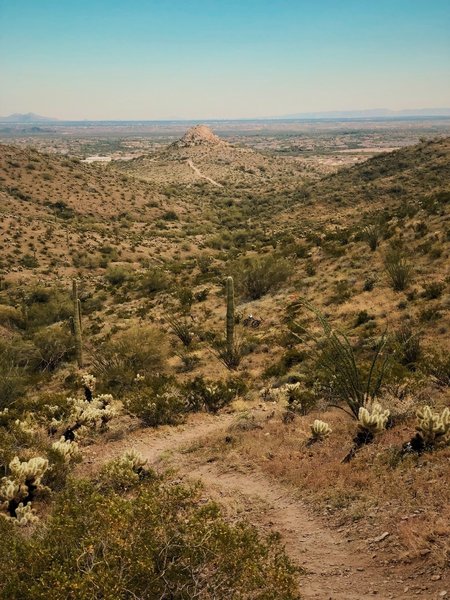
{"x": 26, "y": 118}
{"x": 372, "y": 113}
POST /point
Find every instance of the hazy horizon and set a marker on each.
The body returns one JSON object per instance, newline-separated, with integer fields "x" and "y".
{"x": 209, "y": 60}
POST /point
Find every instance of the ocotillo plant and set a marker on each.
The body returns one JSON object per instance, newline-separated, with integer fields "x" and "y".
{"x": 77, "y": 329}
{"x": 230, "y": 315}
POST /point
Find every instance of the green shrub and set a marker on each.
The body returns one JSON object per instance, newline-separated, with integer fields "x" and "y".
{"x": 408, "y": 345}
{"x": 437, "y": 364}
{"x": 156, "y": 401}
{"x": 54, "y": 345}
{"x": 159, "y": 542}
{"x": 433, "y": 290}
{"x": 13, "y": 380}
{"x": 117, "y": 275}
{"x": 10, "y": 316}
{"x": 138, "y": 350}
{"x": 45, "y": 306}
{"x": 154, "y": 280}
{"x": 398, "y": 269}
{"x": 258, "y": 275}
{"x": 211, "y": 395}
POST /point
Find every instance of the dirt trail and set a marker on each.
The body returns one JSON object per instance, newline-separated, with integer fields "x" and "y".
{"x": 200, "y": 174}
{"x": 337, "y": 568}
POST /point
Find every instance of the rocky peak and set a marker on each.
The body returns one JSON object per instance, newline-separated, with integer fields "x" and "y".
{"x": 199, "y": 135}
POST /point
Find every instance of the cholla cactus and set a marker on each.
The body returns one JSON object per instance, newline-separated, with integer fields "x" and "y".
{"x": 269, "y": 394}
{"x": 88, "y": 382}
{"x": 10, "y": 489}
{"x": 369, "y": 424}
{"x": 20, "y": 487}
{"x": 69, "y": 450}
{"x": 320, "y": 430}
{"x": 25, "y": 515}
{"x": 29, "y": 472}
{"x": 374, "y": 421}
{"x": 133, "y": 461}
{"x": 26, "y": 426}
{"x": 86, "y": 414}
{"x": 433, "y": 428}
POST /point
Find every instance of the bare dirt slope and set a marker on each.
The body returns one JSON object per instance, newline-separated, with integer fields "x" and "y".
{"x": 335, "y": 566}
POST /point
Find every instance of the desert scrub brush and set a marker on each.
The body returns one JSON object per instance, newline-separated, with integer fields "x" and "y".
{"x": 124, "y": 472}
{"x": 320, "y": 430}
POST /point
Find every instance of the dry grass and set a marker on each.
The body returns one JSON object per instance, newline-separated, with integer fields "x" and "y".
{"x": 375, "y": 492}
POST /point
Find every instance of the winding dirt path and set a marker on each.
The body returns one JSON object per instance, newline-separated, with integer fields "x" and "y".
{"x": 336, "y": 568}
{"x": 200, "y": 174}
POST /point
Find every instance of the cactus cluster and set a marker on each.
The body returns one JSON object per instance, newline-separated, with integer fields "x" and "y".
{"x": 374, "y": 421}
{"x": 19, "y": 488}
{"x": 93, "y": 414}
{"x": 433, "y": 428}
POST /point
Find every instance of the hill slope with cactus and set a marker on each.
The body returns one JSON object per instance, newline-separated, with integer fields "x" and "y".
{"x": 316, "y": 312}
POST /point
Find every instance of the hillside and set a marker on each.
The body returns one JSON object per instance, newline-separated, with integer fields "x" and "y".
{"x": 200, "y": 154}
{"x": 367, "y": 247}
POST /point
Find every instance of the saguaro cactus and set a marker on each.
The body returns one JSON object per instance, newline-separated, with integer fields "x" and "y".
{"x": 230, "y": 315}
{"x": 77, "y": 329}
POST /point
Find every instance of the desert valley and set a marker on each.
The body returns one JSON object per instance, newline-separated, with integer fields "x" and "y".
{"x": 224, "y": 363}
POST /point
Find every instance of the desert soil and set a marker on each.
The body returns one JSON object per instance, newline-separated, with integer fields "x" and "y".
{"x": 336, "y": 567}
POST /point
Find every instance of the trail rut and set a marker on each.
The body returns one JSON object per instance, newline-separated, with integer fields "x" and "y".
{"x": 336, "y": 568}
{"x": 200, "y": 174}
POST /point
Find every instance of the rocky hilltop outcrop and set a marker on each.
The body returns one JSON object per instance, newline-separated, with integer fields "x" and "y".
{"x": 199, "y": 135}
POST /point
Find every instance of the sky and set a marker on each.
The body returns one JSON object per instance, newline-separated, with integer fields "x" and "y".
{"x": 204, "y": 59}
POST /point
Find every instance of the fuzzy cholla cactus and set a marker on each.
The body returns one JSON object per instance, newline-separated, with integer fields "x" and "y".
{"x": 375, "y": 420}
{"x": 86, "y": 414}
{"x": 67, "y": 449}
{"x": 29, "y": 471}
{"x": 320, "y": 430}
{"x": 433, "y": 428}
{"x": 269, "y": 394}
{"x": 25, "y": 515}
{"x": 17, "y": 490}
{"x": 88, "y": 382}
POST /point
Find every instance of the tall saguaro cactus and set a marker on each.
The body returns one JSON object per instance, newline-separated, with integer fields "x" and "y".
{"x": 77, "y": 330}
{"x": 230, "y": 315}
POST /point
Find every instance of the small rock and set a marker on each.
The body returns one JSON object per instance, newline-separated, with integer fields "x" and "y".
{"x": 435, "y": 577}
{"x": 381, "y": 537}
{"x": 443, "y": 594}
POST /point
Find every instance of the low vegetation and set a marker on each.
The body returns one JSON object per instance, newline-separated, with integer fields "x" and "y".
{"x": 321, "y": 302}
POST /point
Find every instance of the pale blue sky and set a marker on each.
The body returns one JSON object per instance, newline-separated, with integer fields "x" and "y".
{"x": 156, "y": 59}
